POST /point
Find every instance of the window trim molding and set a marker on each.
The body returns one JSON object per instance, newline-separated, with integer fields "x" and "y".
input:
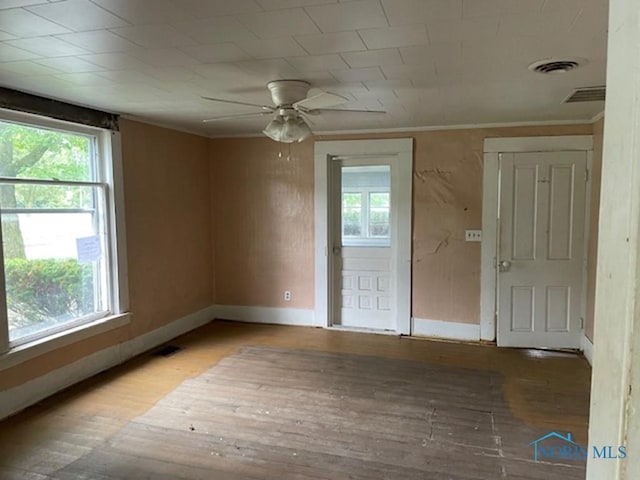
{"x": 27, "y": 351}
{"x": 109, "y": 160}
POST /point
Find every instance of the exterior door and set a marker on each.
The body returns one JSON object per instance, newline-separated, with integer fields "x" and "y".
{"x": 364, "y": 254}
{"x": 541, "y": 249}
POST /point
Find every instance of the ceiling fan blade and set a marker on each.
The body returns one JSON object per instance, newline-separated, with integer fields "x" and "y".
{"x": 239, "y": 115}
{"x": 223, "y": 100}
{"x": 319, "y": 111}
{"x": 321, "y": 100}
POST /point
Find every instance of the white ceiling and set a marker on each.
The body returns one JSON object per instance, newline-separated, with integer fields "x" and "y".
{"x": 426, "y": 62}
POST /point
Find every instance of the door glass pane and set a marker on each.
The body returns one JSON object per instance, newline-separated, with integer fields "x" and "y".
{"x": 351, "y": 214}
{"x": 366, "y": 196}
{"x": 54, "y": 262}
{"x": 379, "y": 214}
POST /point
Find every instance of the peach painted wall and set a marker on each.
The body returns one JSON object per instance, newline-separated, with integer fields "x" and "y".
{"x": 263, "y": 211}
{"x": 596, "y": 173}
{"x": 168, "y": 221}
{"x": 262, "y": 203}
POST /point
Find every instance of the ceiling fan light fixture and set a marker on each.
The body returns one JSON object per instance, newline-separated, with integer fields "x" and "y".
{"x": 287, "y": 129}
{"x": 274, "y": 129}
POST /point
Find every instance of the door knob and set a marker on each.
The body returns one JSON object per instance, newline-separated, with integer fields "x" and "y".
{"x": 504, "y": 265}
{"x": 337, "y": 250}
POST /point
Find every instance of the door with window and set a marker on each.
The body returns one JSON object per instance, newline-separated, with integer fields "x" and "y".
{"x": 365, "y": 266}
{"x": 541, "y": 249}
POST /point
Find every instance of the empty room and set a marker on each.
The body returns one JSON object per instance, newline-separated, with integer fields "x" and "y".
{"x": 319, "y": 239}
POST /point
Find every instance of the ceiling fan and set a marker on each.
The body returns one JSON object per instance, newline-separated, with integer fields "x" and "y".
{"x": 291, "y": 104}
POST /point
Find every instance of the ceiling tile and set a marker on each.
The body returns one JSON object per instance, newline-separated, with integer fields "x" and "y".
{"x": 114, "y": 61}
{"x": 462, "y": 30}
{"x": 331, "y": 42}
{"x": 536, "y": 24}
{"x": 281, "y": 4}
{"x": 407, "y": 12}
{"x": 348, "y": 16}
{"x": 214, "y": 8}
{"x": 481, "y": 8}
{"x": 27, "y": 68}
{"x": 272, "y": 48}
{"x": 69, "y": 64}
{"x": 144, "y": 11}
{"x": 6, "y": 36}
{"x": 19, "y": 3}
{"x": 279, "y": 23}
{"x": 215, "y": 30}
{"x": 10, "y": 54}
{"x": 78, "y": 15}
{"x": 268, "y": 69}
{"x": 84, "y": 78}
{"x": 218, "y": 52}
{"x": 373, "y": 58}
{"x": 314, "y": 63}
{"x": 164, "y": 57}
{"x": 47, "y": 46}
{"x": 410, "y": 72}
{"x": 99, "y": 41}
{"x": 378, "y": 38}
{"x": 22, "y": 23}
{"x": 154, "y": 36}
{"x": 125, "y": 76}
{"x": 358, "y": 74}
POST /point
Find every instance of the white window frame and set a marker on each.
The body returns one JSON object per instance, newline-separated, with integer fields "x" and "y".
{"x": 109, "y": 173}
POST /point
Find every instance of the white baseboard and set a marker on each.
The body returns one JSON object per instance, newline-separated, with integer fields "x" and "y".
{"x": 587, "y": 349}
{"x": 440, "y": 329}
{"x": 271, "y": 315}
{"x": 22, "y": 396}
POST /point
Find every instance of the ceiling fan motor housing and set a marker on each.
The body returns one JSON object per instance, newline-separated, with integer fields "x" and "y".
{"x": 288, "y": 92}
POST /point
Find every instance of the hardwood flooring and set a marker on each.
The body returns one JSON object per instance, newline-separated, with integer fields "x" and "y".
{"x": 245, "y": 401}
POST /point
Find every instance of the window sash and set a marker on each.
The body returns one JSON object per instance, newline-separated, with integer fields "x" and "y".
{"x": 105, "y": 173}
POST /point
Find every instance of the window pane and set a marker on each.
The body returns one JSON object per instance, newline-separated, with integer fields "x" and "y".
{"x": 29, "y": 152}
{"x": 379, "y": 214}
{"x": 51, "y": 279}
{"x": 351, "y": 214}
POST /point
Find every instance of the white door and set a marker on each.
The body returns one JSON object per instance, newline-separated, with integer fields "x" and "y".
{"x": 363, "y": 252}
{"x": 541, "y": 249}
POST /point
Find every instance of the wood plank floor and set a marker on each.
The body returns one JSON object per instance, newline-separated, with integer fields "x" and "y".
{"x": 267, "y": 402}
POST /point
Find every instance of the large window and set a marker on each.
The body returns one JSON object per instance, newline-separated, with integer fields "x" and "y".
{"x": 56, "y": 208}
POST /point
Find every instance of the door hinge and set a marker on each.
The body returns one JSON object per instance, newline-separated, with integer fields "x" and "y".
{"x": 586, "y": 174}
{"x": 581, "y": 323}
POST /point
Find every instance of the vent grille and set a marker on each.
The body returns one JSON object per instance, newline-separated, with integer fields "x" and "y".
{"x": 589, "y": 94}
{"x": 556, "y": 65}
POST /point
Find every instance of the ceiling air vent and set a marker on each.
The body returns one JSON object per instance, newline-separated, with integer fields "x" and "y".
{"x": 550, "y": 66}
{"x": 588, "y": 94}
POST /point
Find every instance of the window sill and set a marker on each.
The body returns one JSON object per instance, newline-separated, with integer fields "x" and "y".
{"x": 27, "y": 351}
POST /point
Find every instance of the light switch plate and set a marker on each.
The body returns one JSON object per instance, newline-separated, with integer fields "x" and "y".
{"x": 473, "y": 235}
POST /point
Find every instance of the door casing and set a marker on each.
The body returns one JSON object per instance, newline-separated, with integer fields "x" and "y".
{"x": 493, "y": 147}
{"x": 401, "y": 150}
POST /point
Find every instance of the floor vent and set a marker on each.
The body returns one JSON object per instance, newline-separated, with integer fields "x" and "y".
{"x": 589, "y": 94}
{"x": 166, "y": 351}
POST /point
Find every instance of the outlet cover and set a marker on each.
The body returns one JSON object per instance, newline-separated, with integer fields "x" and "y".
{"x": 287, "y": 296}
{"x": 473, "y": 235}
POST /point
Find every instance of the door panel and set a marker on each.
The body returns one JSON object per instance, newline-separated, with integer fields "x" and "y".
{"x": 366, "y": 287}
{"x": 541, "y": 249}
{"x": 364, "y": 264}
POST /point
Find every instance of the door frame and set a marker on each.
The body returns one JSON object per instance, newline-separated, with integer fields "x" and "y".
{"x": 493, "y": 147}
{"x": 398, "y": 148}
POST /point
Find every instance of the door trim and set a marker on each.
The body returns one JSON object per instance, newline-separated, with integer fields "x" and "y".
{"x": 490, "y": 195}
{"x": 400, "y": 148}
